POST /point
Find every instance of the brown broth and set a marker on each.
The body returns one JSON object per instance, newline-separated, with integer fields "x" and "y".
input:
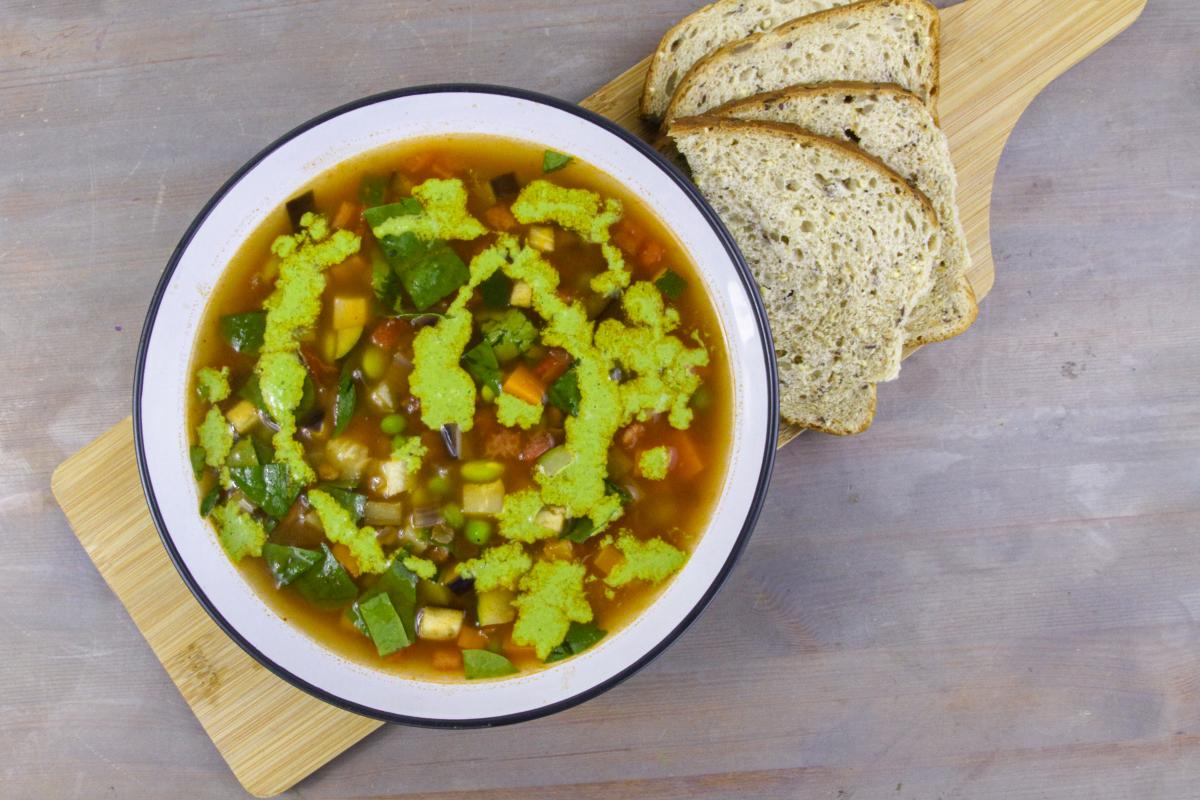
{"x": 675, "y": 509}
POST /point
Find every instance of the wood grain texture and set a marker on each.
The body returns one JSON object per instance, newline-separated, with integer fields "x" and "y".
{"x": 991, "y": 594}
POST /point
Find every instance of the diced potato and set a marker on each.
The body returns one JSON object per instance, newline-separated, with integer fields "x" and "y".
{"x": 383, "y": 514}
{"x": 552, "y": 518}
{"x": 558, "y": 550}
{"x": 350, "y": 457}
{"x": 349, "y": 313}
{"x": 607, "y": 558}
{"x": 395, "y": 480}
{"x": 483, "y": 498}
{"x": 521, "y": 295}
{"x": 439, "y": 624}
{"x": 382, "y": 399}
{"x": 495, "y": 607}
{"x": 344, "y": 341}
{"x": 243, "y": 416}
{"x": 541, "y": 237}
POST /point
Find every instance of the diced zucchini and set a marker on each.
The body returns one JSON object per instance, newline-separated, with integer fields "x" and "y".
{"x": 349, "y": 313}
{"x": 541, "y": 237}
{"x": 439, "y": 624}
{"x": 243, "y": 416}
{"x": 483, "y": 498}
{"x": 381, "y": 514}
{"x": 350, "y": 457}
{"x": 395, "y": 479}
{"x": 431, "y": 593}
{"x": 382, "y": 399}
{"x": 552, "y": 518}
{"x": 522, "y": 295}
{"x": 495, "y": 607}
{"x": 344, "y": 341}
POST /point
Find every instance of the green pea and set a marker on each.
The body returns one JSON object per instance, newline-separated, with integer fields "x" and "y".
{"x": 478, "y": 531}
{"x": 453, "y": 515}
{"x": 482, "y": 471}
{"x": 374, "y": 363}
{"x": 438, "y": 486}
{"x": 393, "y": 424}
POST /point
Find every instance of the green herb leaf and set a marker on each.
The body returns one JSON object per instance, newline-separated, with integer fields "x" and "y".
{"x": 326, "y": 585}
{"x": 480, "y": 362}
{"x": 372, "y": 190}
{"x": 244, "y": 332}
{"x": 210, "y": 500}
{"x": 343, "y": 407}
{"x": 243, "y": 454}
{"x": 485, "y": 664}
{"x": 429, "y": 271}
{"x": 496, "y": 290}
{"x": 407, "y": 207}
{"x": 579, "y": 530}
{"x": 383, "y": 624}
{"x": 268, "y": 486}
{"x": 671, "y": 284}
{"x": 552, "y": 161}
{"x": 611, "y": 487}
{"x": 196, "y": 456}
{"x": 564, "y": 392}
{"x": 510, "y": 333}
{"x": 288, "y": 563}
{"x": 580, "y": 636}
{"x": 353, "y": 502}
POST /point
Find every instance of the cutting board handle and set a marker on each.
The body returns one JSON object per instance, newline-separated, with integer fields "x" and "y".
{"x": 997, "y": 56}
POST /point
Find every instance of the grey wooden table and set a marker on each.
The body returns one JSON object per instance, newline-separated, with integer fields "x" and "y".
{"x": 992, "y": 594}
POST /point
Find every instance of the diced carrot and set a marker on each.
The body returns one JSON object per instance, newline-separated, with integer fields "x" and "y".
{"x": 558, "y": 550}
{"x": 607, "y": 558}
{"x": 515, "y": 650}
{"x": 346, "y": 559}
{"x": 447, "y": 166}
{"x": 542, "y": 442}
{"x": 387, "y": 334}
{"x": 651, "y": 254}
{"x": 500, "y": 218}
{"x": 446, "y": 658}
{"x": 553, "y": 365}
{"x": 418, "y": 162}
{"x": 346, "y": 215}
{"x": 523, "y": 384}
{"x": 471, "y": 638}
{"x": 687, "y": 461}
{"x": 627, "y": 236}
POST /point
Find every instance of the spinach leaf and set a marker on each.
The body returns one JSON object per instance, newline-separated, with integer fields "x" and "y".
{"x": 244, "y": 332}
{"x": 611, "y": 487}
{"x": 210, "y": 500}
{"x": 580, "y": 636}
{"x": 326, "y": 585}
{"x": 263, "y": 450}
{"x": 343, "y": 406}
{"x": 496, "y": 290}
{"x": 485, "y": 664}
{"x": 671, "y": 284}
{"x": 433, "y": 274}
{"x": 250, "y": 390}
{"x": 353, "y": 502}
{"x": 196, "y": 456}
{"x": 288, "y": 563}
{"x": 579, "y": 530}
{"x": 407, "y": 207}
{"x": 383, "y": 279}
{"x": 372, "y": 190}
{"x": 480, "y": 361}
{"x": 400, "y": 585}
{"x": 267, "y": 486}
{"x": 552, "y": 161}
{"x": 383, "y": 624}
{"x": 510, "y": 333}
{"x": 564, "y": 392}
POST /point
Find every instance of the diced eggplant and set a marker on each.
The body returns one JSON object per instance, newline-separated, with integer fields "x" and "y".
{"x": 297, "y": 207}
{"x": 505, "y": 185}
{"x": 461, "y": 585}
{"x": 452, "y": 439}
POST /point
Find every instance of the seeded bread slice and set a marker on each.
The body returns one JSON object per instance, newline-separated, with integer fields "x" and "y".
{"x": 841, "y": 246}
{"x": 709, "y": 29}
{"x": 878, "y": 41}
{"x": 893, "y": 125}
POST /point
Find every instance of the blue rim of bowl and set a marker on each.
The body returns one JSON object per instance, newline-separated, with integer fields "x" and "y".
{"x": 752, "y": 513}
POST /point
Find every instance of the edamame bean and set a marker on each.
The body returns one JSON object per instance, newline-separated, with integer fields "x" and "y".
{"x": 478, "y": 531}
{"x": 482, "y": 471}
{"x": 393, "y": 424}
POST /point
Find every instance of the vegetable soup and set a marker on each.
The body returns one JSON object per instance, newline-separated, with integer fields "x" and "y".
{"x": 460, "y": 408}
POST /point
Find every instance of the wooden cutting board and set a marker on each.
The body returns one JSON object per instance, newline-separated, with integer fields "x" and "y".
{"x": 996, "y": 56}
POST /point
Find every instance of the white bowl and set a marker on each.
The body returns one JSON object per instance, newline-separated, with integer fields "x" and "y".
{"x": 271, "y": 178}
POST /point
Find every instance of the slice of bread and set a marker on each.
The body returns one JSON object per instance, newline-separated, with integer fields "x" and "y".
{"x": 708, "y": 29}
{"x": 842, "y": 249}
{"x": 893, "y": 125}
{"x": 877, "y": 41}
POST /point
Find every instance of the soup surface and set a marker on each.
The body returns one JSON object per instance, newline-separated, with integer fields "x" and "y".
{"x": 460, "y": 408}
